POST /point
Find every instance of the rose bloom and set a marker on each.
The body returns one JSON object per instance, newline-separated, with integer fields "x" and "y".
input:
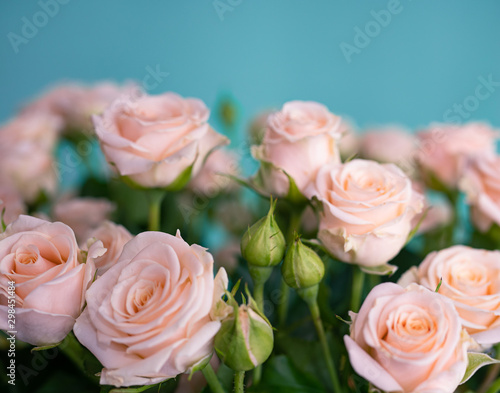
{"x": 471, "y": 279}
{"x": 12, "y": 202}
{"x": 154, "y": 140}
{"x": 445, "y": 149}
{"x": 27, "y": 144}
{"x": 82, "y": 214}
{"x": 113, "y": 238}
{"x": 390, "y": 145}
{"x": 367, "y": 210}
{"x": 75, "y": 103}
{"x": 50, "y": 275}
{"x": 299, "y": 140}
{"x": 151, "y": 316}
{"x": 211, "y": 179}
{"x": 408, "y": 340}
{"x": 481, "y": 183}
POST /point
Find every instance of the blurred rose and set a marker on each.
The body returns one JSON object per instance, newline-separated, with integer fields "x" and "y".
{"x": 299, "y": 140}
{"x": 367, "y": 210}
{"x": 481, "y": 184}
{"x": 228, "y": 256}
{"x": 437, "y": 211}
{"x": 258, "y": 127}
{"x": 390, "y": 145}
{"x": 445, "y": 149}
{"x": 349, "y": 142}
{"x": 75, "y": 103}
{"x": 50, "y": 276}
{"x": 27, "y": 144}
{"x": 211, "y": 179}
{"x": 148, "y": 318}
{"x": 12, "y": 202}
{"x": 408, "y": 340}
{"x": 155, "y": 140}
{"x": 471, "y": 279}
{"x": 113, "y": 238}
{"x": 82, "y": 214}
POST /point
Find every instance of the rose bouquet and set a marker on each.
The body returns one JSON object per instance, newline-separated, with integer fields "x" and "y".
{"x": 350, "y": 267}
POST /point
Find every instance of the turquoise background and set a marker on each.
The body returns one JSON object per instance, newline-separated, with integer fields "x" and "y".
{"x": 426, "y": 59}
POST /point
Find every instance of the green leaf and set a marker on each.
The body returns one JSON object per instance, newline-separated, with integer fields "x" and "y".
{"x": 382, "y": 270}
{"x": 476, "y": 361}
{"x": 282, "y": 376}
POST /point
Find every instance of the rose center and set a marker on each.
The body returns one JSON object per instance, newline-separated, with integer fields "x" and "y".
{"x": 27, "y": 255}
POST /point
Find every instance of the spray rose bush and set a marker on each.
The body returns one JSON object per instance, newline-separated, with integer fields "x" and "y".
{"x": 150, "y": 317}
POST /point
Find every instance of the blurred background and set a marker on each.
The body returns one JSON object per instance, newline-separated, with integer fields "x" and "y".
{"x": 407, "y": 62}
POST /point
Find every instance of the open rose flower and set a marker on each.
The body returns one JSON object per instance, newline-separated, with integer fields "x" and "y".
{"x": 150, "y": 317}
{"x": 408, "y": 341}
{"x": 367, "y": 210}
{"x": 27, "y": 144}
{"x": 445, "y": 149}
{"x": 50, "y": 275}
{"x": 299, "y": 140}
{"x": 390, "y": 145}
{"x": 113, "y": 238}
{"x": 157, "y": 141}
{"x": 471, "y": 279}
{"x": 481, "y": 183}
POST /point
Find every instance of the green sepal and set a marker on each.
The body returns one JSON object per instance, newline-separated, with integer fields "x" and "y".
{"x": 476, "y": 361}
{"x": 382, "y": 270}
{"x": 45, "y": 347}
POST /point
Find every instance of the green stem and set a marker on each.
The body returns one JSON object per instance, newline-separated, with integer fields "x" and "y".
{"x": 495, "y": 387}
{"x": 212, "y": 379}
{"x": 239, "y": 379}
{"x": 293, "y": 227}
{"x": 258, "y": 294}
{"x": 318, "y": 324}
{"x": 155, "y": 197}
{"x": 358, "y": 281}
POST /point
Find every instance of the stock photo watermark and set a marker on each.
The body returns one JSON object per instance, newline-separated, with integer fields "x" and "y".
{"x": 11, "y": 333}
{"x": 30, "y": 27}
{"x": 223, "y": 6}
{"x": 372, "y": 29}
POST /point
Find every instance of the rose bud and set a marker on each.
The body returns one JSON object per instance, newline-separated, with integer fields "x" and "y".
{"x": 302, "y": 267}
{"x": 244, "y": 340}
{"x": 263, "y": 245}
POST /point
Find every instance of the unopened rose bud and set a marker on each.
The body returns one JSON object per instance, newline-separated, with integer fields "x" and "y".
{"x": 302, "y": 267}
{"x": 263, "y": 244}
{"x": 245, "y": 340}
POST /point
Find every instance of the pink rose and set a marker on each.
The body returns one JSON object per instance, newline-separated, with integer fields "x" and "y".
{"x": 27, "y": 144}
{"x": 481, "y": 183}
{"x": 299, "y": 140}
{"x": 471, "y": 279}
{"x": 445, "y": 149}
{"x": 82, "y": 214}
{"x": 113, "y": 238}
{"x": 12, "y": 202}
{"x": 150, "y": 317}
{"x": 156, "y": 140}
{"x": 408, "y": 341}
{"x": 349, "y": 142}
{"x": 390, "y": 145}
{"x": 211, "y": 179}
{"x": 50, "y": 276}
{"x": 367, "y": 210}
